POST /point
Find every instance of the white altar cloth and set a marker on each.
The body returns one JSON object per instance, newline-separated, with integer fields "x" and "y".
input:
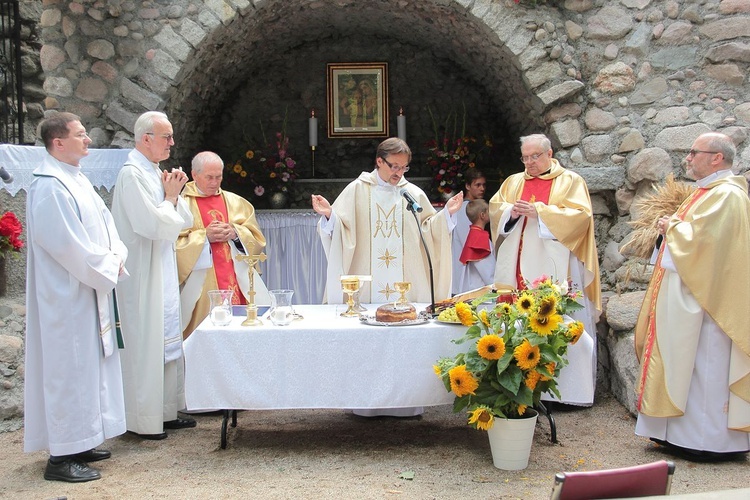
{"x": 322, "y": 361}
{"x": 101, "y": 166}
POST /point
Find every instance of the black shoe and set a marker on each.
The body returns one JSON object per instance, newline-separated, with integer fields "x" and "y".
{"x": 180, "y": 423}
{"x": 151, "y": 437}
{"x": 92, "y": 455}
{"x": 701, "y": 456}
{"x": 70, "y": 470}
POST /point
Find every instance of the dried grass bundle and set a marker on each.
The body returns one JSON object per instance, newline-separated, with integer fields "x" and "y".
{"x": 665, "y": 200}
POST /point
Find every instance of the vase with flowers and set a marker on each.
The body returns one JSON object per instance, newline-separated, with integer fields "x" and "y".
{"x": 266, "y": 172}
{"x": 10, "y": 243}
{"x": 515, "y": 351}
{"x": 450, "y": 154}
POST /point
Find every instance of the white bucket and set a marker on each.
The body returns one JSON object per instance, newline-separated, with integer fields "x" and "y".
{"x": 510, "y": 441}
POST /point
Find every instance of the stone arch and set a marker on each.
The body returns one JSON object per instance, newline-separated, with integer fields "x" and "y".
{"x": 195, "y": 61}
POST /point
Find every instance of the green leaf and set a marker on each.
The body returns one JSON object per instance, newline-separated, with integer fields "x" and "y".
{"x": 503, "y": 362}
{"x": 511, "y": 379}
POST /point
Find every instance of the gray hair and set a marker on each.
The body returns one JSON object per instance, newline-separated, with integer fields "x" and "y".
{"x": 540, "y": 139}
{"x": 723, "y": 144}
{"x": 392, "y": 146}
{"x": 145, "y": 123}
{"x": 204, "y": 158}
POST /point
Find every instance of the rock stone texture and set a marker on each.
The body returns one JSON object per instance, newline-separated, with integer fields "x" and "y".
{"x": 621, "y": 87}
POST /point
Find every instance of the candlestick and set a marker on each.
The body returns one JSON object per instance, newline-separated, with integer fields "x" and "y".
{"x": 313, "y": 130}
{"x": 401, "y": 124}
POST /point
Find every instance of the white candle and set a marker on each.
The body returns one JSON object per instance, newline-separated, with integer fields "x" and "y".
{"x": 220, "y": 316}
{"x": 313, "y": 130}
{"x": 401, "y": 124}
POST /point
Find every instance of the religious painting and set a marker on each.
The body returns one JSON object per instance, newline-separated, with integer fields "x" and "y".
{"x": 357, "y": 100}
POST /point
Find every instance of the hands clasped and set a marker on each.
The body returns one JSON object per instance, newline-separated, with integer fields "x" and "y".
{"x": 522, "y": 207}
{"x": 173, "y": 182}
{"x": 219, "y": 231}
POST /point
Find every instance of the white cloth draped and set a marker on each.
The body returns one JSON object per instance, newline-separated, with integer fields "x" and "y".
{"x": 100, "y": 166}
{"x": 296, "y": 259}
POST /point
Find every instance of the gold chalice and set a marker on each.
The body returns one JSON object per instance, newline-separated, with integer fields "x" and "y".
{"x": 350, "y": 285}
{"x": 403, "y": 288}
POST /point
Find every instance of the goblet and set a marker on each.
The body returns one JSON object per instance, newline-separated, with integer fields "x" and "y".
{"x": 403, "y": 288}
{"x": 350, "y": 285}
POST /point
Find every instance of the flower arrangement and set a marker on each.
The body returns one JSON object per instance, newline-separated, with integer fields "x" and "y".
{"x": 265, "y": 170}
{"x": 10, "y": 232}
{"x": 515, "y": 352}
{"x": 450, "y": 155}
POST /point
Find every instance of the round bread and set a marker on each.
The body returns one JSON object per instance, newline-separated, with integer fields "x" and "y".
{"x": 391, "y": 313}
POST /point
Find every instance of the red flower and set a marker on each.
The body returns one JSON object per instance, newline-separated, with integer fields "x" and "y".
{"x": 10, "y": 230}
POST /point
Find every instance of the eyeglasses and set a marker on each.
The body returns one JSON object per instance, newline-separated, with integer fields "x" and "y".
{"x": 168, "y": 137}
{"x": 694, "y": 152}
{"x": 535, "y": 157}
{"x": 394, "y": 168}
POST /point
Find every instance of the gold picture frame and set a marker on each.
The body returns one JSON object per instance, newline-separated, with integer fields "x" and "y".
{"x": 357, "y": 99}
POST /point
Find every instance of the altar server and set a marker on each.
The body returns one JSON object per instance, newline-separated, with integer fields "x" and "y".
{"x": 73, "y": 385}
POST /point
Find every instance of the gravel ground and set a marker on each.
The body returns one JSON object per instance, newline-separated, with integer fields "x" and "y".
{"x": 334, "y": 454}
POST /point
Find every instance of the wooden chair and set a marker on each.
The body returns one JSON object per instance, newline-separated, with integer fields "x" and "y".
{"x": 638, "y": 481}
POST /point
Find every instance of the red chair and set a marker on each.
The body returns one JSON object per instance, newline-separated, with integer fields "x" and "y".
{"x": 628, "y": 482}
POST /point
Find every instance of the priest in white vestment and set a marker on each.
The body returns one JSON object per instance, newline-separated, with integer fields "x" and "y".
{"x": 150, "y": 213}
{"x": 73, "y": 383}
{"x": 542, "y": 225}
{"x": 692, "y": 337}
{"x": 224, "y": 226}
{"x": 369, "y": 231}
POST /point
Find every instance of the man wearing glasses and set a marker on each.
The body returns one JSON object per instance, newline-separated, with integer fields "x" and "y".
{"x": 369, "y": 231}
{"x": 692, "y": 336}
{"x": 150, "y": 213}
{"x": 544, "y": 215}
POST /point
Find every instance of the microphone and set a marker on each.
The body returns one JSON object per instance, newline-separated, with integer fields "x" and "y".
{"x": 7, "y": 177}
{"x": 412, "y": 204}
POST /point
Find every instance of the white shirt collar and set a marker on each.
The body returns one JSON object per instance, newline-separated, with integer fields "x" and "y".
{"x": 719, "y": 174}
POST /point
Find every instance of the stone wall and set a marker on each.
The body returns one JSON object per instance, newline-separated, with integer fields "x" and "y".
{"x": 621, "y": 86}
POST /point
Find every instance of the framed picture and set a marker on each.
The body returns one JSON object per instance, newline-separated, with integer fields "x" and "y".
{"x": 357, "y": 100}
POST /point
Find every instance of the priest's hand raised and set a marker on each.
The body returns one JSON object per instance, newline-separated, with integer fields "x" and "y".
{"x": 321, "y": 206}
{"x": 455, "y": 203}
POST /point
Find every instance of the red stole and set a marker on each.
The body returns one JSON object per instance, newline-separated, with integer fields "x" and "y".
{"x": 477, "y": 245}
{"x": 534, "y": 189}
{"x": 213, "y": 208}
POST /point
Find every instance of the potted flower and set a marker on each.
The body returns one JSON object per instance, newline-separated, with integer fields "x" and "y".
{"x": 10, "y": 243}
{"x": 266, "y": 172}
{"x": 514, "y": 354}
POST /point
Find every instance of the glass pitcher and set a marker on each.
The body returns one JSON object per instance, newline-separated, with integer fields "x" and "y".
{"x": 221, "y": 307}
{"x": 281, "y": 312}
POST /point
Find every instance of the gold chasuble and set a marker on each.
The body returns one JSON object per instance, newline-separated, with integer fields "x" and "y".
{"x": 225, "y": 273}
{"x": 562, "y": 202}
{"x": 713, "y": 277}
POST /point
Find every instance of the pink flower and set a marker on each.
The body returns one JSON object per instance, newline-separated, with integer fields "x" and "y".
{"x": 259, "y": 190}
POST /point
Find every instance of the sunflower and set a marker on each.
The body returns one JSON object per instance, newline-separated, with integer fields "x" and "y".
{"x": 237, "y": 168}
{"x": 463, "y": 311}
{"x": 491, "y": 347}
{"x": 525, "y": 303}
{"x": 527, "y": 355}
{"x": 462, "y": 382}
{"x": 550, "y": 368}
{"x": 547, "y": 306}
{"x": 250, "y": 154}
{"x": 522, "y": 409}
{"x": 482, "y": 417}
{"x": 575, "y": 330}
{"x": 505, "y": 309}
{"x": 545, "y": 325}
{"x": 483, "y": 317}
{"x": 437, "y": 370}
{"x": 532, "y": 378}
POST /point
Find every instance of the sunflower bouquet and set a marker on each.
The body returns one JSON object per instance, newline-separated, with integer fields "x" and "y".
{"x": 515, "y": 351}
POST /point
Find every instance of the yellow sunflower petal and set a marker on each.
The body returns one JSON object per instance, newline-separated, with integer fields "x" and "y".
{"x": 545, "y": 325}
{"x": 525, "y": 302}
{"x": 482, "y": 417}
{"x": 491, "y": 347}
{"x": 527, "y": 356}
{"x": 462, "y": 381}
{"x": 463, "y": 311}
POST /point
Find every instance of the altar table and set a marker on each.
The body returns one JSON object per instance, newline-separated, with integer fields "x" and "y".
{"x": 321, "y": 361}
